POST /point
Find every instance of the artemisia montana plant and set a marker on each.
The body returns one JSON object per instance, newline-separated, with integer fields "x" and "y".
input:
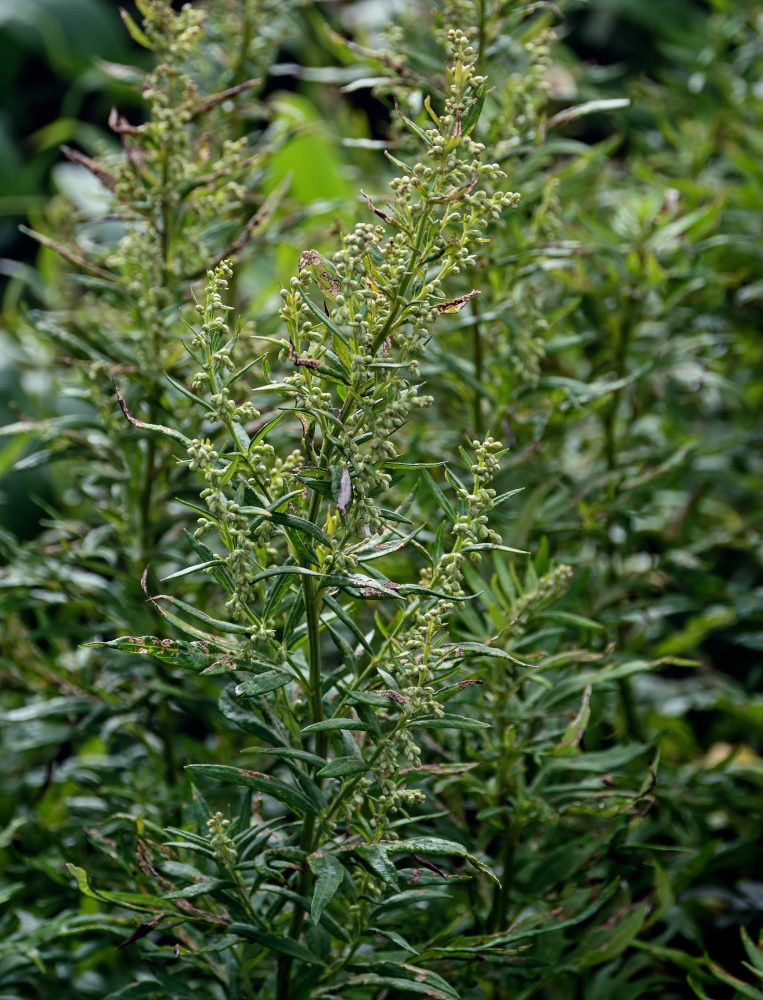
{"x": 335, "y": 631}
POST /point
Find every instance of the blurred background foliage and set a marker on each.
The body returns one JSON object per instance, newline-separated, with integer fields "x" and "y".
{"x": 615, "y": 348}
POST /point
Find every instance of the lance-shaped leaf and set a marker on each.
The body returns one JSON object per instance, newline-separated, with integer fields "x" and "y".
{"x": 436, "y": 846}
{"x": 271, "y": 680}
{"x": 329, "y": 873}
{"x": 274, "y": 942}
{"x": 374, "y": 856}
{"x": 341, "y": 767}
{"x": 287, "y": 795}
{"x": 196, "y": 656}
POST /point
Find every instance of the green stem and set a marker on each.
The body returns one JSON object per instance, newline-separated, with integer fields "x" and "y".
{"x": 631, "y": 313}
{"x": 497, "y": 920}
{"x": 481, "y": 42}
{"x": 312, "y": 600}
{"x": 479, "y": 423}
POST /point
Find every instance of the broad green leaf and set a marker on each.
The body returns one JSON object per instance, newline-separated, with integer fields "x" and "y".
{"x": 340, "y": 767}
{"x": 263, "y": 683}
{"x": 375, "y": 857}
{"x": 437, "y": 846}
{"x": 329, "y": 873}
{"x": 246, "y": 720}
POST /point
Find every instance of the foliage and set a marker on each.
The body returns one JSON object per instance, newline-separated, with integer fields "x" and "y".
{"x": 364, "y": 744}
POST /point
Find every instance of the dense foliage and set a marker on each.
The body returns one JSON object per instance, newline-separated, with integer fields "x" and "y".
{"x": 381, "y": 543}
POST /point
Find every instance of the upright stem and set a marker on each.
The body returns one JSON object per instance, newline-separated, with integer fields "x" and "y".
{"x": 312, "y": 599}
{"x": 497, "y": 920}
{"x": 481, "y": 40}
{"x": 479, "y": 423}
{"x": 631, "y": 316}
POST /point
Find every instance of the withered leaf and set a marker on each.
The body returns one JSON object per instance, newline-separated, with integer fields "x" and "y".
{"x": 344, "y": 497}
{"x": 382, "y": 215}
{"x": 141, "y": 931}
{"x": 457, "y": 304}
{"x": 303, "y": 362}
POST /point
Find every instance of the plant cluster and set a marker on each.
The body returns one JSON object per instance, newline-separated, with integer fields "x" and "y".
{"x": 312, "y": 687}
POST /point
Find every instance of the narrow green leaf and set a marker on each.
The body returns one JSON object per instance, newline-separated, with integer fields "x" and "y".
{"x": 201, "y": 616}
{"x": 130, "y": 900}
{"x": 565, "y": 617}
{"x": 265, "y": 428}
{"x": 443, "y": 501}
{"x": 395, "y": 983}
{"x": 217, "y": 561}
{"x": 573, "y": 734}
{"x": 332, "y": 724}
{"x": 754, "y": 952}
{"x": 184, "y": 391}
{"x": 303, "y": 525}
{"x": 347, "y": 621}
{"x": 448, "y": 721}
{"x": 199, "y": 888}
{"x": 276, "y": 594}
{"x": 195, "y": 656}
{"x": 588, "y": 108}
{"x": 321, "y": 316}
{"x": 472, "y": 116}
{"x": 413, "y": 127}
{"x": 137, "y": 34}
{"x": 292, "y": 753}
{"x": 285, "y": 794}
{"x": 273, "y": 942}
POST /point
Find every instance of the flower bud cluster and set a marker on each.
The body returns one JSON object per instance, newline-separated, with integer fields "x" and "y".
{"x": 179, "y": 176}
{"x": 213, "y": 344}
{"x": 546, "y": 589}
{"x": 222, "y": 845}
{"x": 381, "y": 294}
{"x": 472, "y": 525}
{"x": 393, "y": 796}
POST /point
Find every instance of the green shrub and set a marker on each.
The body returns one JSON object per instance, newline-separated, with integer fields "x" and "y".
{"x": 477, "y": 700}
